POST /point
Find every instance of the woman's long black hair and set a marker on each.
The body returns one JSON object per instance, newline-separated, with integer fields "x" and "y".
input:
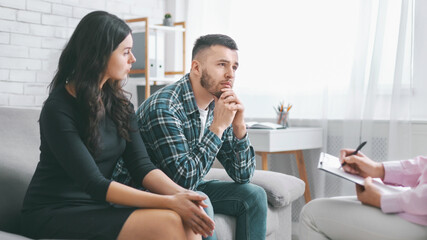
{"x": 84, "y": 62}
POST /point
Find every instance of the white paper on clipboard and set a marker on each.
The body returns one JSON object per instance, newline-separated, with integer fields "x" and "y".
{"x": 332, "y": 164}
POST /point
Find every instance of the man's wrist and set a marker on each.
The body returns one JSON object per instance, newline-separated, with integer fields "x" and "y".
{"x": 216, "y": 130}
{"x": 239, "y": 131}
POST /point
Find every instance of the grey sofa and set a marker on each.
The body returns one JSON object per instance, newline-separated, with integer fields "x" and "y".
{"x": 19, "y": 154}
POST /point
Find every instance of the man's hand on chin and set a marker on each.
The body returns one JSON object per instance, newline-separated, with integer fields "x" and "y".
{"x": 239, "y": 126}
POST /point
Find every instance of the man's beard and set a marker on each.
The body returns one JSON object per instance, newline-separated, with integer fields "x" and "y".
{"x": 206, "y": 82}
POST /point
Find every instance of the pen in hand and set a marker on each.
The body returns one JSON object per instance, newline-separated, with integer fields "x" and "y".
{"x": 355, "y": 152}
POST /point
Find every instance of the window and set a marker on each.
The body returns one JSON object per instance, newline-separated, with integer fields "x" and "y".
{"x": 312, "y": 53}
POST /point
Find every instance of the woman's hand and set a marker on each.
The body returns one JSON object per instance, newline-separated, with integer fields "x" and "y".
{"x": 361, "y": 165}
{"x": 189, "y": 205}
{"x": 369, "y": 194}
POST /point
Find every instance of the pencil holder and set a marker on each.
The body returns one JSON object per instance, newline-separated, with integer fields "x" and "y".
{"x": 282, "y": 119}
{"x": 283, "y": 114}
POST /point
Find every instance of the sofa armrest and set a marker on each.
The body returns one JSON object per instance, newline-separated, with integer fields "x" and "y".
{"x": 281, "y": 189}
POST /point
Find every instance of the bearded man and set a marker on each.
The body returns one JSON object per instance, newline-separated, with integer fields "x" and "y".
{"x": 187, "y": 125}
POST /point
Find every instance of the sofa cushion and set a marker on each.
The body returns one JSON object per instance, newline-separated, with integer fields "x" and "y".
{"x": 227, "y": 224}
{"x": 281, "y": 189}
{"x": 11, "y": 236}
{"x": 278, "y": 222}
{"x": 18, "y": 162}
{"x": 19, "y": 155}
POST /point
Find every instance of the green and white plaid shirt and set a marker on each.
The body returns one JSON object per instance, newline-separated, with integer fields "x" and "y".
{"x": 169, "y": 123}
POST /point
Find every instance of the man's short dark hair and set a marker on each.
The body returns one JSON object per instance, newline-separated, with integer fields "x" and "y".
{"x": 209, "y": 40}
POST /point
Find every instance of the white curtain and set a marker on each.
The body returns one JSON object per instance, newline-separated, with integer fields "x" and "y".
{"x": 345, "y": 66}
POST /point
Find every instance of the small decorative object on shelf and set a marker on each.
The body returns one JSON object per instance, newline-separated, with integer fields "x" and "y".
{"x": 283, "y": 114}
{"x": 167, "y": 21}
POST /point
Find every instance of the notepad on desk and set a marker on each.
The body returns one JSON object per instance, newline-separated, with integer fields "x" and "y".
{"x": 263, "y": 125}
{"x": 332, "y": 164}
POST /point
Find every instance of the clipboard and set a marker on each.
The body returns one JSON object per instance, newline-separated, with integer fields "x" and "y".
{"x": 332, "y": 165}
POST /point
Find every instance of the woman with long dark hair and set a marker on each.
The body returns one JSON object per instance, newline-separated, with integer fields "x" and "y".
{"x": 87, "y": 124}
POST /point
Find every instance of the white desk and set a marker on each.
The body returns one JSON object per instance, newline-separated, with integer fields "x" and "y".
{"x": 290, "y": 140}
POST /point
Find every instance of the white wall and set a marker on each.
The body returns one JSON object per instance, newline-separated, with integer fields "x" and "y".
{"x": 33, "y": 33}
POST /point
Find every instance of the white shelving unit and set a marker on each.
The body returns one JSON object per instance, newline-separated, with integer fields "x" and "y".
{"x": 153, "y": 48}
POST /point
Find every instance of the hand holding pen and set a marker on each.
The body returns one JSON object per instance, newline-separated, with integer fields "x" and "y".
{"x": 355, "y": 162}
{"x": 355, "y": 152}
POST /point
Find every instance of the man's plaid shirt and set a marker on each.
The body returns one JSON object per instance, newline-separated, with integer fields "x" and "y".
{"x": 169, "y": 123}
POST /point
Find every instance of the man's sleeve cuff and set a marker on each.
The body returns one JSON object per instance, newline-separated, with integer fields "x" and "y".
{"x": 212, "y": 141}
{"x": 243, "y": 143}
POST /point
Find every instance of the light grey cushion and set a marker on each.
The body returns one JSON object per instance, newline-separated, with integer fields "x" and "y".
{"x": 11, "y": 236}
{"x": 227, "y": 224}
{"x": 19, "y": 155}
{"x": 281, "y": 189}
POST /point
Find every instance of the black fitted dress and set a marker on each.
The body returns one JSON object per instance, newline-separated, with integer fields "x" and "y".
{"x": 66, "y": 196}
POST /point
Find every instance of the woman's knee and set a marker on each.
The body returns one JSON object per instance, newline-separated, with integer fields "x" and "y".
{"x": 153, "y": 224}
{"x": 172, "y": 218}
{"x": 171, "y": 223}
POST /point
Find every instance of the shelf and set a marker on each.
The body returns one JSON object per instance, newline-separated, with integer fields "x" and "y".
{"x": 138, "y": 29}
{"x": 158, "y": 81}
{"x": 142, "y": 25}
{"x": 169, "y": 80}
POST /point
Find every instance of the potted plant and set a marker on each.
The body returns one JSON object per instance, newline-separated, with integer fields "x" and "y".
{"x": 167, "y": 21}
